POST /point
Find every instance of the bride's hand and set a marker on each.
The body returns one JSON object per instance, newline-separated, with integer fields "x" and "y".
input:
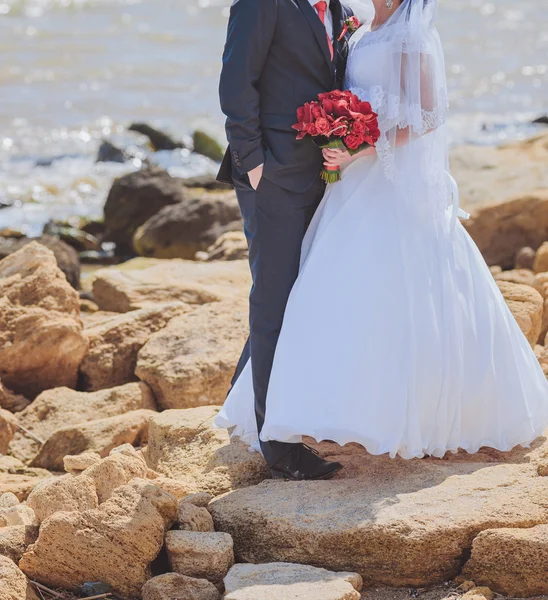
{"x": 336, "y": 158}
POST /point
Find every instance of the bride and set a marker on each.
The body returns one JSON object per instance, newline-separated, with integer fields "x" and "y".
{"x": 396, "y": 335}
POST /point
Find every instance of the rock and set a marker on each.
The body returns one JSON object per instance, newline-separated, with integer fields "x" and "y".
{"x": 101, "y": 436}
{"x": 67, "y": 493}
{"x": 540, "y": 283}
{"x": 8, "y": 427}
{"x": 194, "y": 518}
{"x": 479, "y": 593}
{"x": 230, "y": 246}
{"x": 15, "y": 539}
{"x": 21, "y": 514}
{"x": 206, "y": 182}
{"x": 200, "y": 499}
{"x": 181, "y": 230}
{"x": 65, "y": 255}
{"x": 91, "y": 487}
{"x": 177, "y": 488}
{"x": 145, "y": 282}
{"x": 397, "y": 523}
{"x": 206, "y": 145}
{"x": 87, "y": 306}
{"x": 174, "y": 586}
{"x": 13, "y": 583}
{"x": 114, "y": 344}
{"x": 10, "y": 401}
{"x": 62, "y": 407}
{"x": 77, "y": 463}
{"x": 521, "y": 276}
{"x": 41, "y": 337}
{"x": 542, "y": 120}
{"x": 8, "y": 500}
{"x": 115, "y": 471}
{"x": 279, "y": 581}
{"x": 527, "y": 307}
{"x": 127, "y": 530}
{"x": 133, "y": 199}
{"x": 80, "y": 240}
{"x": 183, "y": 444}
{"x": 500, "y": 230}
{"x": 108, "y": 152}
{"x": 511, "y": 561}
{"x": 158, "y": 139}
{"x": 525, "y": 258}
{"x": 541, "y": 259}
{"x": 192, "y": 361}
{"x": 202, "y": 555}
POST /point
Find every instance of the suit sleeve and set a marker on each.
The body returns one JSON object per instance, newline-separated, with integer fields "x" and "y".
{"x": 250, "y": 32}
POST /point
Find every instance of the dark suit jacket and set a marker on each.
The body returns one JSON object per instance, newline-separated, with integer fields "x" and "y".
{"x": 276, "y": 58}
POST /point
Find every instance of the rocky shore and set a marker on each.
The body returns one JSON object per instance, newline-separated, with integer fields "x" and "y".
{"x": 113, "y": 482}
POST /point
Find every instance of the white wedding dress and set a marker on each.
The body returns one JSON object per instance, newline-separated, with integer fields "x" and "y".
{"x": 396, "y": 336}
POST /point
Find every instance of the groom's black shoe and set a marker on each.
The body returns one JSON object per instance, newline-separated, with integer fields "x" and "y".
{"x": 303, "y": 463}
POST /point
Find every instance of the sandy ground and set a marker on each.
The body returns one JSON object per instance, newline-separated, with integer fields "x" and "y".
{"x": 442, "y": 592}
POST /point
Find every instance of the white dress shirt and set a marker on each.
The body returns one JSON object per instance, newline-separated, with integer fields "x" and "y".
{"x": 328, "y": 18}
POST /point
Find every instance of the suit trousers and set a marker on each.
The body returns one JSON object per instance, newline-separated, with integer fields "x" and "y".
{"x": 275, "y": 221}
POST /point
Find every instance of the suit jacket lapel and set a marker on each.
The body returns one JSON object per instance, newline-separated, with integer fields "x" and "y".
{"x": 317, "y": 27}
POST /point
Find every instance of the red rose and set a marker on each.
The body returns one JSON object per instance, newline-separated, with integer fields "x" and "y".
{"x": 311, "y": 129}
{"x": 317, "y": 111}
{"x": 341, "y": 108}
{"x": 353, "y": 142}
{"x": 340, "y": 127}
{"x": 353, "y": 23}
{"x": 322, "y": 126}
{"x": 359, "y": 127}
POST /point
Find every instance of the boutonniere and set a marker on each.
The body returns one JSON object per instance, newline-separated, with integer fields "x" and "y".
{"x": 352, "y": 24}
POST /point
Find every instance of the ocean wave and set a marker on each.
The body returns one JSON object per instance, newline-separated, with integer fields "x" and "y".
{"x": 36, "y": 8}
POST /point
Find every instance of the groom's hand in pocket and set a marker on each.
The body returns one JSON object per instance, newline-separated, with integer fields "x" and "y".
{"x": 255, "y": 176}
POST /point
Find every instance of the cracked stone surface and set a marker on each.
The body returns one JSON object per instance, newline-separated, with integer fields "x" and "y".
{"x": 396, "y": 522}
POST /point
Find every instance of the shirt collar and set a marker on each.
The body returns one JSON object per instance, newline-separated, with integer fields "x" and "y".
{"x": 312, "y": 2}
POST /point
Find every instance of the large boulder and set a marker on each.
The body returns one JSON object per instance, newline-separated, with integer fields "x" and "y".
{"x": 41, "y": 337}
{"x": 183, "y": 444}
{"x": 527, "y": 306}
{"x": 100, "y": 436}
{"x": 63, "y": 407}
{"x": 396, "y": 522}
{"x": 511, "y": 561}
{"x": 115, "y": 342}
{"x": 13, "y": 583}
{"x": 181, "y": 230}
{"x": 88, "y": 489}
{"x": 136, "y": 197}
{"x": 66, "y": 256}
{"x": 279, "y": 581}
{"x": 114, "y": 543}
{"x": 192, "y": 361}
{"x": 500, "y": 230}
{"x": 174, "y": 586}
{"x": 145, "y": 282}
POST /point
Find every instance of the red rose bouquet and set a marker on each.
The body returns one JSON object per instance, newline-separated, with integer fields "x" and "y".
{"x": 338, "y": 120}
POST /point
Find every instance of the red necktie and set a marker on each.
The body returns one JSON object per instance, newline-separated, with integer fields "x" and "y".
{"x": 321, "y": 8}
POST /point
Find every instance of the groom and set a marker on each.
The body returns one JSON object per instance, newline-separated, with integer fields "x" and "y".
{"x": 279, "y": 54}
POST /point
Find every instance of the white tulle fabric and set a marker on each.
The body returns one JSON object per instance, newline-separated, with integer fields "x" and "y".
{"x": 396, "y": 335}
